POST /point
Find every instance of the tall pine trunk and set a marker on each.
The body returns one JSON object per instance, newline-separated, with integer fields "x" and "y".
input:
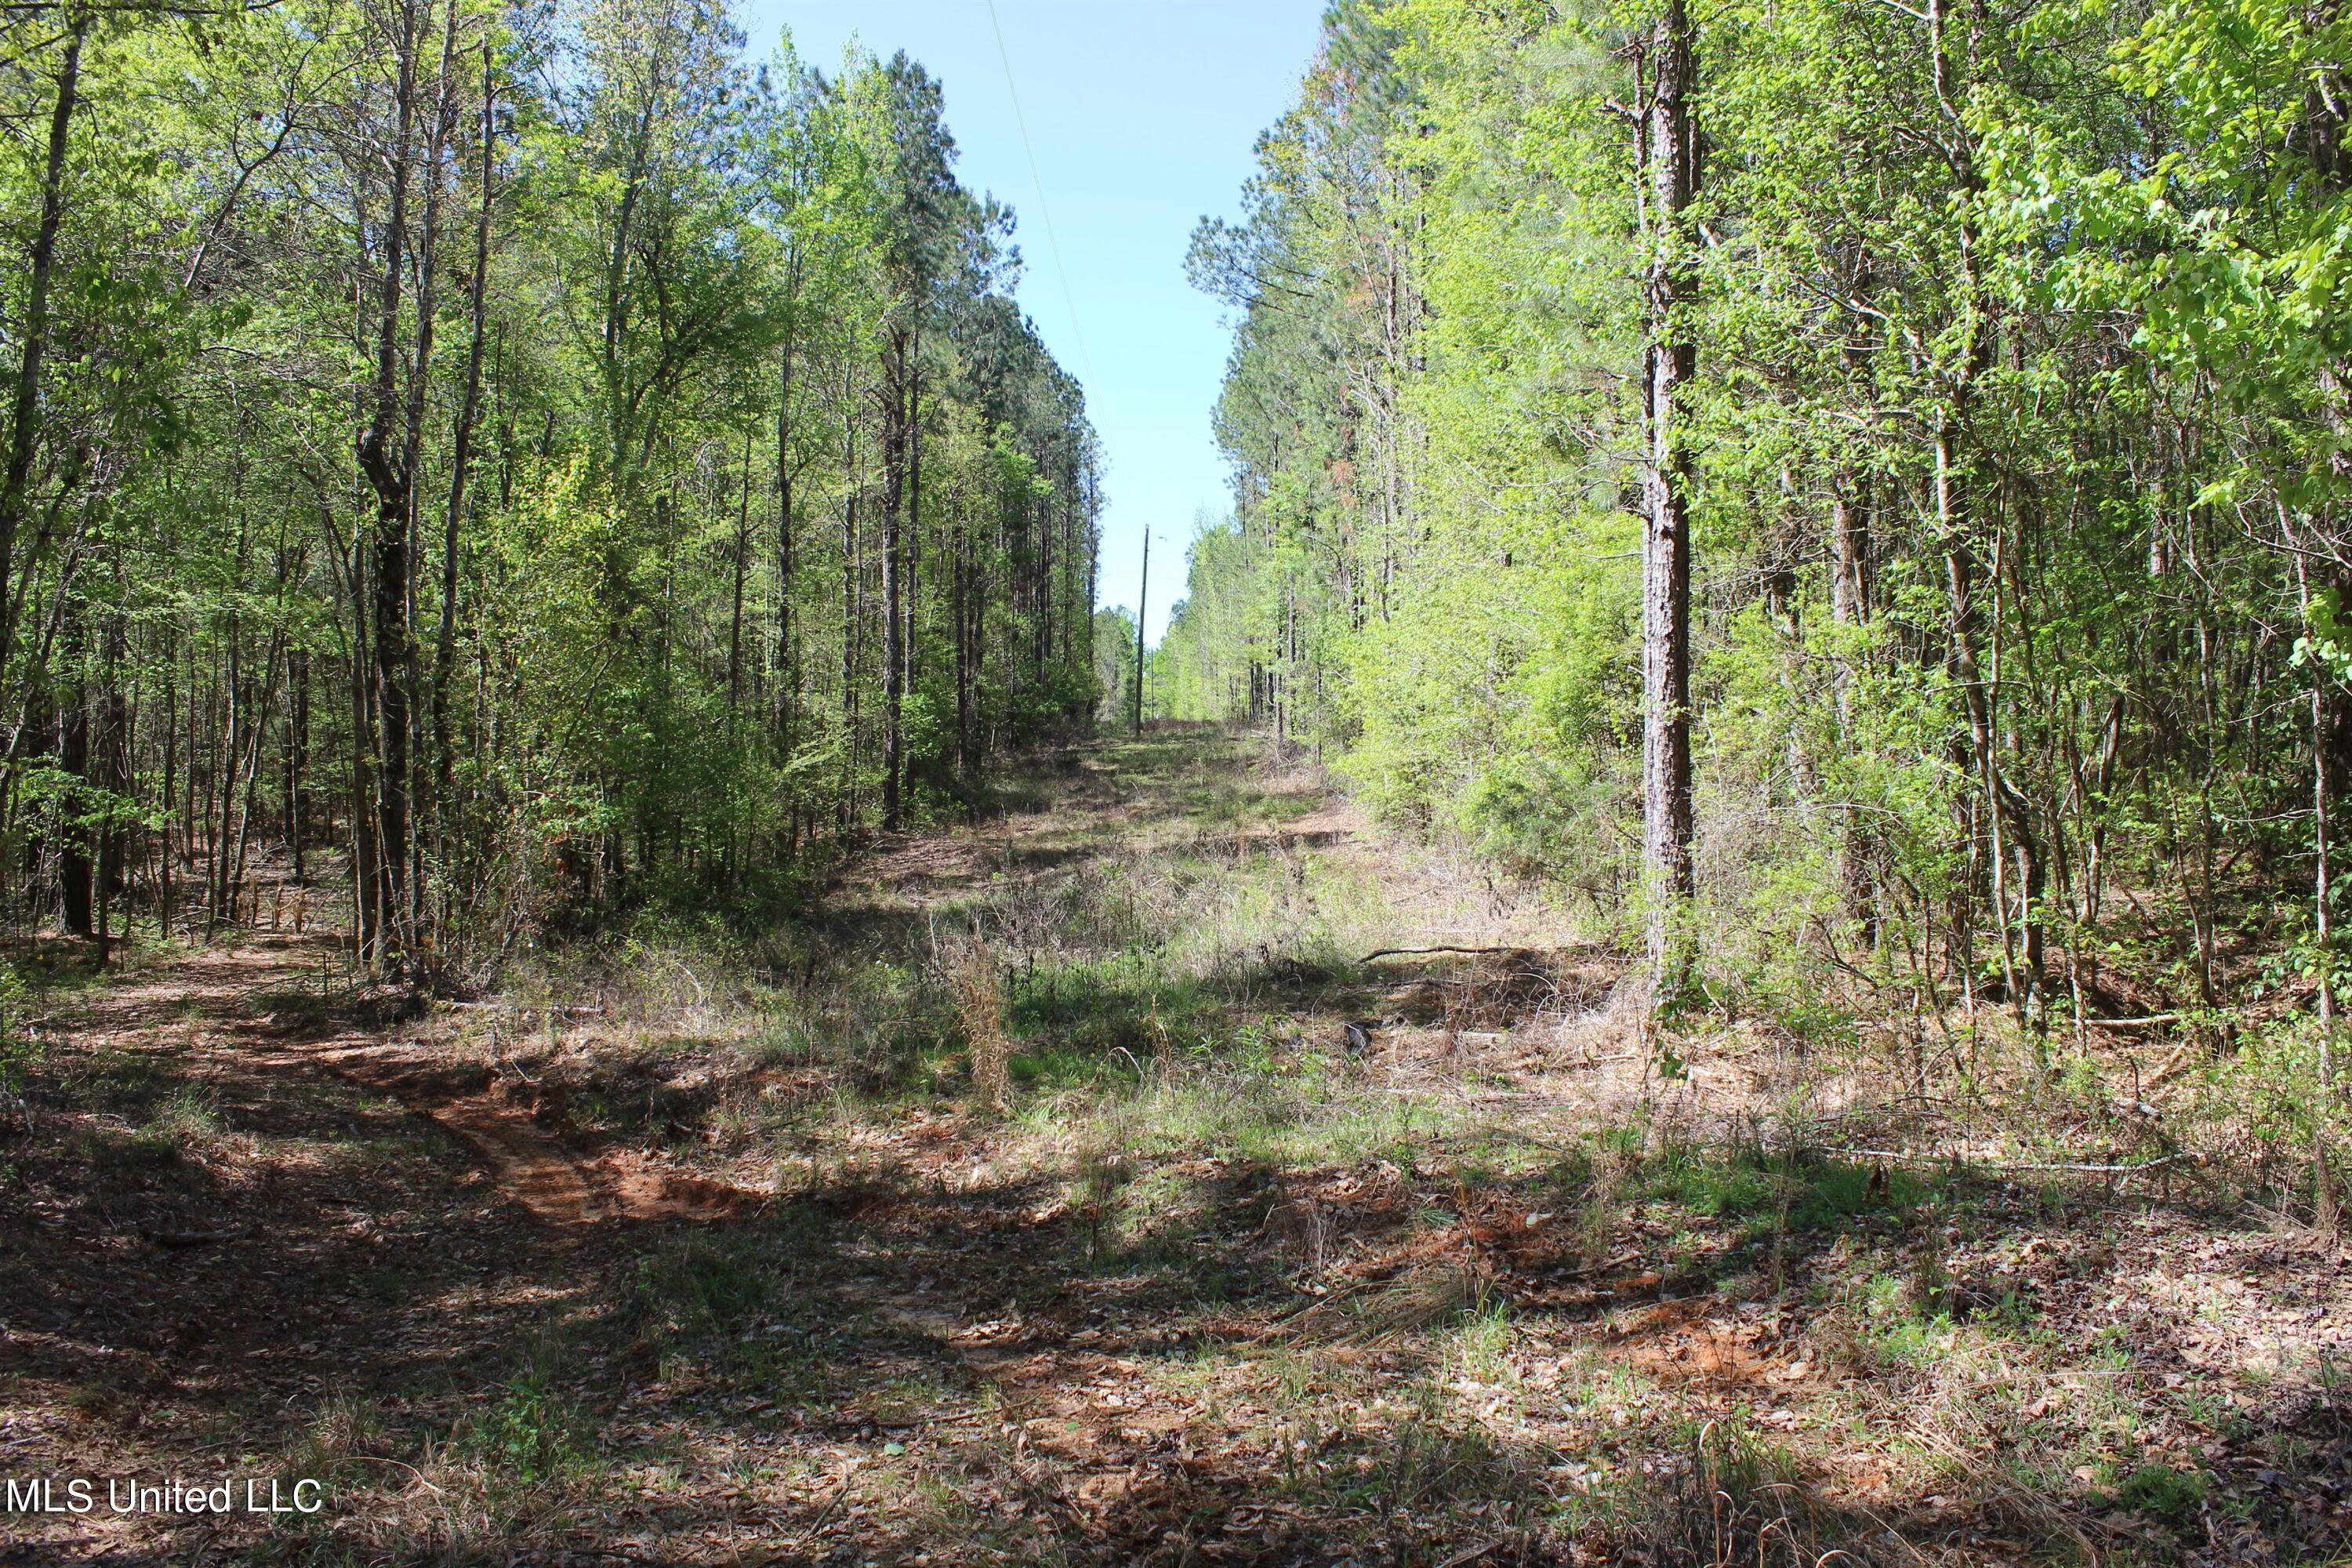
{"x": 390, "y": 471}
{"x": 1670, "y": 140}
{"x": 1849, "y": 608}
{"x": 31, "y": 333}
{"x": 894, "y": 498}
{"x": 461, "y": 451}
{"x": 788, "y": 664}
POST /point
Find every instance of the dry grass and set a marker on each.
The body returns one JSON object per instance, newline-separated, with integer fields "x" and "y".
{"x": 1102, "y": 1238}
{"x": 971, "y": 969}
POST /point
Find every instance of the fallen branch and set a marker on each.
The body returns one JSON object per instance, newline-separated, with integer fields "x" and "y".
{"x": 2082, "y": 1167}
{"x": 841, "y": 1491}
{"x": 196, "y": 1237}
{"x": 402, "y": 1464}
{"x": 1396, "y": 951}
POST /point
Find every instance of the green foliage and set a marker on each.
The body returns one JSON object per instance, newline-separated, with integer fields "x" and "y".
{"x": 746, "y": 404}
{"x": 1747, "y": 1185}
{"x": 529, "y": 1433}
{"x": 20, "y": 1051}
{"x": 2168, "y": 1493}
{"x": 2019, "y": 423}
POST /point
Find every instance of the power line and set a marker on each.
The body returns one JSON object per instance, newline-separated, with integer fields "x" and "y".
{"x": 1052, "y": 243}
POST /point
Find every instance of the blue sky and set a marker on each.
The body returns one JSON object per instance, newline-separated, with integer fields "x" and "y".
{"x": 1141, "y": 115}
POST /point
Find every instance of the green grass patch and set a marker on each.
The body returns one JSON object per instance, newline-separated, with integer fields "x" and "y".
{"x": 529, "y": 1433}
{"x": 1744, "y": 1183}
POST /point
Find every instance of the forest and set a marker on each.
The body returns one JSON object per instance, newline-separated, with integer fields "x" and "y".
{"x": 1711, "y": 937}
{"x": 547, "y": 467}
{"x": 1855, "y": 491}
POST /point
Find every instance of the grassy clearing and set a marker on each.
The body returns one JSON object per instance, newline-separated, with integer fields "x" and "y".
{"x": 1124, "y": 1211}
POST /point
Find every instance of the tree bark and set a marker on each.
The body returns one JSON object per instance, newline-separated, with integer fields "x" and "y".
{"x": 2009, "y": 821}
{"x": 32, "y": 332}
{"x": 1671, "y": 142}
{"x": 461, "y": 445}
{"x": 743, "y": 560}
{"x": 788, "y": 679}
{"x": 298, "y": 750}
{"x": 1142, "y": 591}
{"x": 389, "y": 473}
{"x": 894, "y": 498}
{"x": 913, "y": 501}
{"x": 850, "y": 565}
{"x": 960, "y": 610}
{"x": 74, "y": 867}
{"x": 1850, "y": 607}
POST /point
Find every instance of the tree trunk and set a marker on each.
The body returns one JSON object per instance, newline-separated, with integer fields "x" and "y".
{"x": 742, "y": 559}
{"x": 298, "y": 750}
{"x": 461, "y": 445}
{"x": 171, "y": 782}
{"x": 913, "y": 501}
{"x": 1142, "y": 592}
{"x": 849, "y": 606}
{"x": 110, "y": 767}
{"x": 1850, "y": 607}
{"x": 788, "y": 675}
{"x": 894, "y": 497}
{"x": 391, "y": 476}
{"x": 1671, "y": 142}
{"x": 960, "y": 608}
{"x": 2331, "y": 752}
{"x": 73, "y": 841}
{"x": 367, "y": 907}
{"x": 32, "y": 332}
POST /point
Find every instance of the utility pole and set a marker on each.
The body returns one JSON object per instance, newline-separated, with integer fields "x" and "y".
{"x": 1142, "y": 589}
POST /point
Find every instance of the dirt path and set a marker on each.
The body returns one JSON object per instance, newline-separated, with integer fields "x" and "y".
{"x": 1279, "y": 1256}
{"x": 503, "y": 1123}
{"x": 248, "y": 1008}
{"x": 632, "y": 1238}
